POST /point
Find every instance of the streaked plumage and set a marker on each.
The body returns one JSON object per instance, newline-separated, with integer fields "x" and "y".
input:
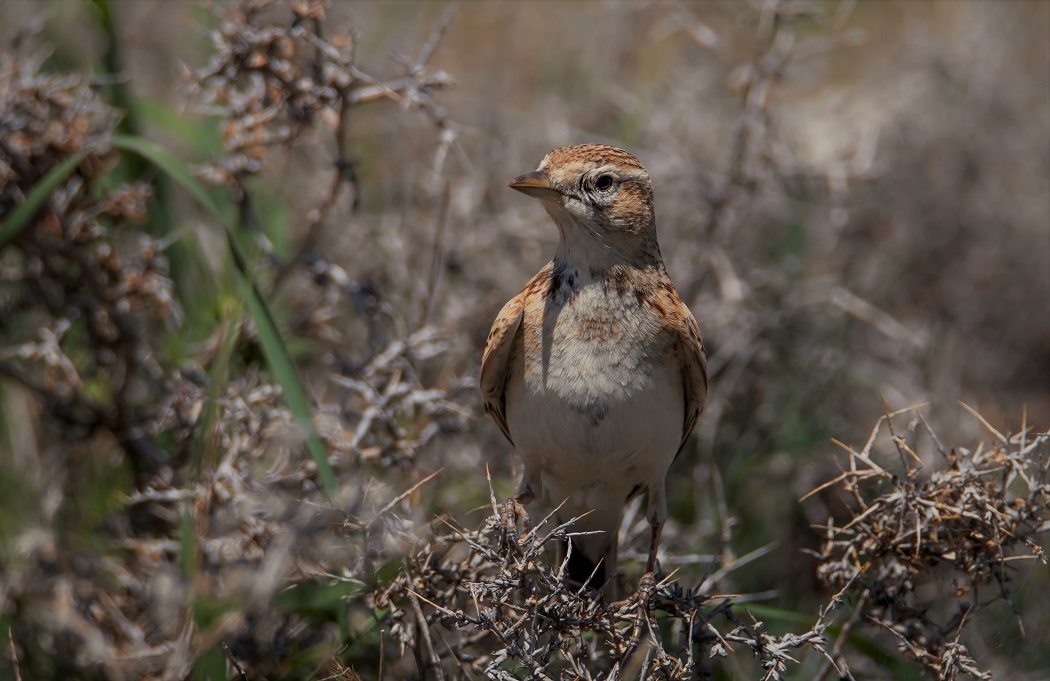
{"x": 595, "y": 371}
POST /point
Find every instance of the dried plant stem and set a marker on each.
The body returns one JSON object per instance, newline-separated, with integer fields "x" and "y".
{"x": 14, "y": 655}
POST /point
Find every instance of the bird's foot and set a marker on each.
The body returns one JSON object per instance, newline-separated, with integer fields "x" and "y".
{"x": 640, "y": 604}
{"x": 511, "y": 512}
{"x": 641, "y": 600}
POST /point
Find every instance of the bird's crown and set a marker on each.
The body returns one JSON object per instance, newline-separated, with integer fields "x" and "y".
{"x": 593, "y": 155}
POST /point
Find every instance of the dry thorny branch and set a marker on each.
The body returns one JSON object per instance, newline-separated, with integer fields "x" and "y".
{"x": 964, "y": 525}
{"x": 86, "y": 308}
{"x": 272, "y": 81}
{"x": 466, "y": 603}
{"x": 85, "y": 297}
{"x": 86, "y": 277}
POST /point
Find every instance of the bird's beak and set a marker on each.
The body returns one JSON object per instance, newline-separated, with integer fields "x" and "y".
{"x": 535, "y": 184}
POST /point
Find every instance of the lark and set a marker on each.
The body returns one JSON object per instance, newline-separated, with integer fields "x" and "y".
{"x": 596, "y": 371}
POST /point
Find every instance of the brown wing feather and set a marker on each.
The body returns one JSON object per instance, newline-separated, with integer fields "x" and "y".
{"x": 494, "y": 363}
{"x": 694, "y": 374}
{"x": 688, "y": 347}
{"x": 505, "y": 332}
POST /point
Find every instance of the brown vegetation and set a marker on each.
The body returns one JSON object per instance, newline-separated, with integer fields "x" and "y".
{"x": 852, "y": 198}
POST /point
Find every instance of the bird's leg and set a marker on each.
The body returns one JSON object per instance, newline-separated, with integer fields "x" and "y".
{"x": 647, "y": 584}
{"x": 657, "y": 515}
{"x": 520, "y": 502}
{"x": 642, "y": 598}
{"x": 511, "y": 511}
{"x": 654, "y": 544}
{"x": 641, "y": 601}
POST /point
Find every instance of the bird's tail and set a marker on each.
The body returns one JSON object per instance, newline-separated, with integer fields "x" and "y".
{"x": 581, "y": 569}
{"x": 592, "y": 560}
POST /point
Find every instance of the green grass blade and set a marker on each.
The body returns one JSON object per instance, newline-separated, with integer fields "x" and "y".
{"x": 23, "y": 214}
{"x": 172, "y": 166}
{"x": 274, "y": 347}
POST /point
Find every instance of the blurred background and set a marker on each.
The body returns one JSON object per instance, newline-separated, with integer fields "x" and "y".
{"x": 852, "y": 198}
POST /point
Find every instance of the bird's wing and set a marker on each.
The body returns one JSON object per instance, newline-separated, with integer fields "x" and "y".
{"x": 496, "y": 360}
{"x": 694, "y": 369}
{"x": 688, "y": 353}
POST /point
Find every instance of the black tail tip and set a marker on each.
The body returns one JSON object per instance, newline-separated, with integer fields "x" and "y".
{"x": 582, "y": 570}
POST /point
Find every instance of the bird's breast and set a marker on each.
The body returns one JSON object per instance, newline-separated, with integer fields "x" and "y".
{"x": 598, "y": 385}
{"x": 594, "y": 344}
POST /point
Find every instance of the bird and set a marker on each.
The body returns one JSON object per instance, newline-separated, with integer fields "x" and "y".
{"x": 596, "y": 371}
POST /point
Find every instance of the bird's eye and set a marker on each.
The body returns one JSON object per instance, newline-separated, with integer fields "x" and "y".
{"x": 604, "y": 183}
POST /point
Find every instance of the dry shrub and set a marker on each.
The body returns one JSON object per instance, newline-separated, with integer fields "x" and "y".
{"x": 501, "y": 609}
{"x": 468, "y": 603}
{"x": 960, "y": 529}
{"x": 85, "y": 290}
{"x": 225, "y": 511}
{"x": 220, "y": 553}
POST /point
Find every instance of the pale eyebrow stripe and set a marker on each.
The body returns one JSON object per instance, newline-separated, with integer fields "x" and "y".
{"x": 632, "y": 175}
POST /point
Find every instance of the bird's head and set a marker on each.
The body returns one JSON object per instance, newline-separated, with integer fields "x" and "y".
{"x": 600, "y": 197}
